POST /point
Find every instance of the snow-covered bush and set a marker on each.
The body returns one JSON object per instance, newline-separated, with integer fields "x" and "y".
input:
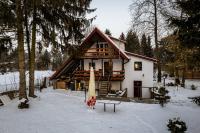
{"x": 162, "y": 97}
{"x": 193, "y": 87}
{"x": 176, "y": 125}
{"x": 196, "y": 100}
{"x": 23, "y": 103}
{"x": 170, "y": 84}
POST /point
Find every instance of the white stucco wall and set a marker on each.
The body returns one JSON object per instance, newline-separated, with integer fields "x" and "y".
{"x": 97, "y": 64}
{"x": 115, "y": 85}
{"x": 120, "y": 45}
{"x": 117, "y": 64}
{"x": 146, "y": 76}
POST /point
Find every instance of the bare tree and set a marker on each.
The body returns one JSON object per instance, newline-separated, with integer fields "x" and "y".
{"x": 147, "y": 16}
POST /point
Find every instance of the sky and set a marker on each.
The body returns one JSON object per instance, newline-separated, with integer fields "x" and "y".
{"x": 113, "y": 15}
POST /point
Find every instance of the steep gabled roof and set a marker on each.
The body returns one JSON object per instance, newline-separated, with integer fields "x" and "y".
{"x": 61, "y": 68}
{"x": 107, "y": 39}
{"x": 141, "y": 56}
{"x": 113, "y": 38}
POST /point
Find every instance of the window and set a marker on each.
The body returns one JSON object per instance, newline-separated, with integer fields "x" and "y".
{"x": 138, "y": 66}
{"x": 102, "y": 47}
{"x": 92, "y": 64}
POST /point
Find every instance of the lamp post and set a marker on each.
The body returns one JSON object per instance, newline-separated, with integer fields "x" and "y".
{"x": 164, "y": 80}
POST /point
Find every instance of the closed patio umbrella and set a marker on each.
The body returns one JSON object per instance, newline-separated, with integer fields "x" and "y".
{"x": 91, "y": 90}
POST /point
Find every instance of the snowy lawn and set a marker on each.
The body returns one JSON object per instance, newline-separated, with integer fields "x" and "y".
{"x": 10, "y": 81}
{"x": 61, "y": 111}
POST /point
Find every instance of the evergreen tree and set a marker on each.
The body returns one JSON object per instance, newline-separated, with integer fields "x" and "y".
{"x": 187, "y": 26}
{"x": 132, "y": 42}
{"x": 65, "y": 18}
{"x": 187, "y": 22}
{"x": 122, "y": 36}
{"x": 57, "y": 59}
{"x": 44, "y": 61}
{"x": 107, "y": 31}
{"x": 144, "y": 47}
{"x": 21, "y": 53}
{"x": 149, "y": 51}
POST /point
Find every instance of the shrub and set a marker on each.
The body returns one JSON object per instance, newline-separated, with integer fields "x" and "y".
{"x": 162, "y": 90}
{"x": 23, "y": 103}
{"x": 196, "y": 100}
{"x": 175, "y": 125}
{"x": 162, "y": 97}
{"x": 170, "y": 84}
{"x": 193, "y": 87}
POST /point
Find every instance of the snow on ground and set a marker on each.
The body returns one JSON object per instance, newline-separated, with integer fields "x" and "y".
{"x": 61, "y": 111}
{"x": 10, "y": 81}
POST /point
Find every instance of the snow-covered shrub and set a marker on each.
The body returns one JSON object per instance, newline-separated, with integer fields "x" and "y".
{"x": 193, "y": 87}
{"x": 196, "y": 100}
{"x": 162, "y": 97}
{"x": 170, "y": 84}
{"x": 176, "y": 125}
{"x": 162, "y": 91}
{"x": 23, "y": 103}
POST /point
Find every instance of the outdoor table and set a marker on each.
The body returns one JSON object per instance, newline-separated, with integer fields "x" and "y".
{"x": 114, "y": 103}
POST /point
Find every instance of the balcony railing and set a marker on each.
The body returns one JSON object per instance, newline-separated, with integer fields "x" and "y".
{"x": 86, "y": 73}
{"x": 99, "y": 53}
{"x": 116, "y": 75}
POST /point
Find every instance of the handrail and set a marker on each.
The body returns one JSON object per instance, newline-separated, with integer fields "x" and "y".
{"x": 109, "y": 84}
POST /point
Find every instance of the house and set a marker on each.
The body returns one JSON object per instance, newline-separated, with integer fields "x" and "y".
{"x": 115, "y": 69}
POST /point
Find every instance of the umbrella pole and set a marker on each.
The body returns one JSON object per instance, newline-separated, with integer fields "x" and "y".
{"x": 85, "y": 93}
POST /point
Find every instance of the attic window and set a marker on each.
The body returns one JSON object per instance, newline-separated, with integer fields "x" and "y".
{"x": 101, "y": 45}
{"x": 138, "y": 66}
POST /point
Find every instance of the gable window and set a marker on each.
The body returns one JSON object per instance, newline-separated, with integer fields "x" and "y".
{"x": 138, "y": 66}
{"x": 92, "y": 64}
{"x": 102, "y": 47}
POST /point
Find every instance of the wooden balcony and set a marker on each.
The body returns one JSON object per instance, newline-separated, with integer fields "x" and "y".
{"x": 97, "y": 53}
{"x": 117, "y": 75}
{"x": 85, "y": 75}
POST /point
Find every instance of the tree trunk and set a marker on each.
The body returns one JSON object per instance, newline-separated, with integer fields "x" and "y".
{"x": 27, "y": 30}
{"x": 32, "y": 57}
{"x": 21, "y": 59}
{"x": 156, "y": 41}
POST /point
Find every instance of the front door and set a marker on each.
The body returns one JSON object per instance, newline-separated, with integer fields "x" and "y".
{"x": 137, "y": 89}
{"x": 106, "y": 68}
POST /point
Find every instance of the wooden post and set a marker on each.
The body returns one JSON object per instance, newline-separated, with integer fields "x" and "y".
{"x": 123, "y": 64}
{"x": 102, "y": 67}
{"x": 120, "y": 85}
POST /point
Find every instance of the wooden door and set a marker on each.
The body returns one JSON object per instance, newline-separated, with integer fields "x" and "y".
{"x": 106, "y": 68}
{"x": 137, "y": 89}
